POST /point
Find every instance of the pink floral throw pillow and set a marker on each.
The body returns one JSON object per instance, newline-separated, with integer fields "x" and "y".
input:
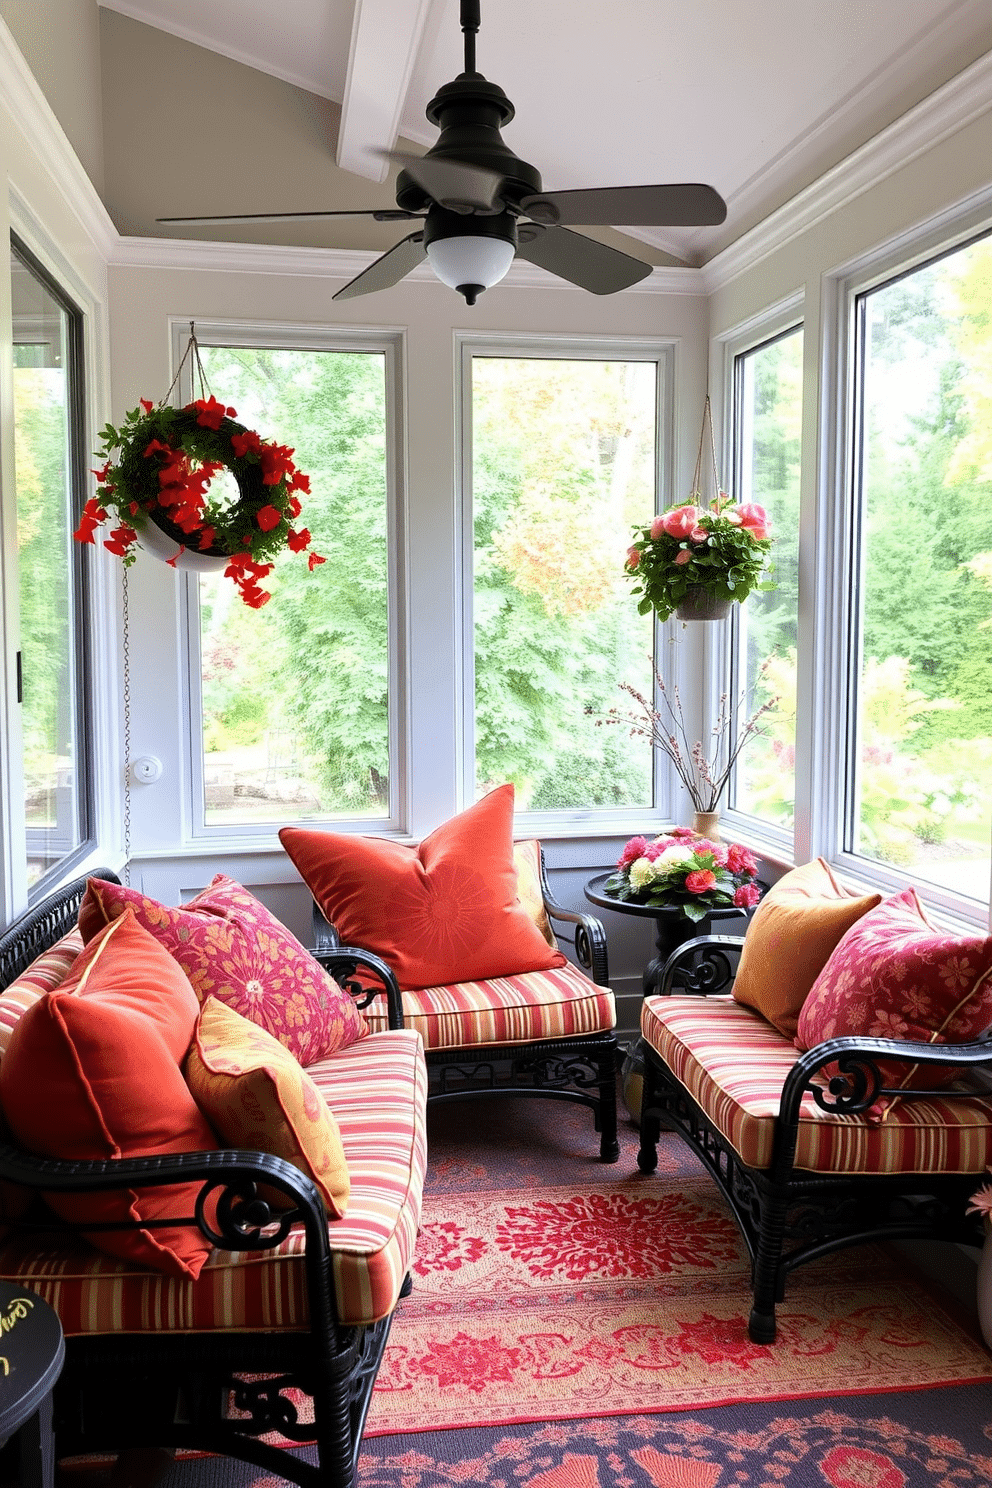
{"x": 232, "y": 948}
{"x": 894, "y": 975}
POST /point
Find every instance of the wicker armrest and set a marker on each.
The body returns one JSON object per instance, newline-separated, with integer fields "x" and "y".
{"x": 588, "y": 934}
{"x": 342, "y": 962}
{"x": 703, "y": 966}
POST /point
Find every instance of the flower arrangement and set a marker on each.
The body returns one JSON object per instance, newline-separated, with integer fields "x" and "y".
{"x": 981, "y": 1203}
{"x": 704, "y": 771}
{"x": 166, "y": 459}
{"x": 681, "y": 868}
{"x": 722, "y": 549}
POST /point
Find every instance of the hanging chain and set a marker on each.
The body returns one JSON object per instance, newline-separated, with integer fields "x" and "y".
{"x": 697, "y": 473}
{"x": 126, "y": 653}
{"x": 196, "y": 372}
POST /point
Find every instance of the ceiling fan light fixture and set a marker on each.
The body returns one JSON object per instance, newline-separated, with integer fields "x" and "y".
{"x": 470, "y": 264}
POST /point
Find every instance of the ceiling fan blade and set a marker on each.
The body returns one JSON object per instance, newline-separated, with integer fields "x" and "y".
{"x": 379, "y": 214}
{"x": 687, "y": 205}
{"x": 387, "y": 270}
{"x": 581, "y": 260}
{"x": 453, "y": 184}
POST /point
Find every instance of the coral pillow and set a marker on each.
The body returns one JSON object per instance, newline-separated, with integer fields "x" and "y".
{"x": 93, "y": 1070}
{"x": 790, "y": 939}
{"x": 255, "y": 1095}
{"x": 232, "y": 948}
{"x": 894, "y": 975}
{"x": 444, "y": 912}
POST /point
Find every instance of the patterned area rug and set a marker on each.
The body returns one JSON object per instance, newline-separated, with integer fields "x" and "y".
{"x": 601, "y": 1292}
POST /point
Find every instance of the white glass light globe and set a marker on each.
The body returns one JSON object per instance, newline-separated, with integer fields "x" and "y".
{"x": 458, "y": 261}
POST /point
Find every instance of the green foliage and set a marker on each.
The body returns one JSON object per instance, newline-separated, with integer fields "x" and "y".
{"x": 703, "y": 548}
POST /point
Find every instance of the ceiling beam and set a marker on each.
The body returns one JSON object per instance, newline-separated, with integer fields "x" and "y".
{"x": 385, "y": 40}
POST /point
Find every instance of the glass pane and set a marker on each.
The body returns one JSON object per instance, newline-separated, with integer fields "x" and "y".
{"x": 45, "y": 506}
{"x": 564, "y": 463}
{"x": 295, "y": 695}
{"x": 768, "y": 430}
{"x": 923, "y": 771}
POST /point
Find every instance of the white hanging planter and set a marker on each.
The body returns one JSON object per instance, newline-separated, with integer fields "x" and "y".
{"x": 154, "y": 540}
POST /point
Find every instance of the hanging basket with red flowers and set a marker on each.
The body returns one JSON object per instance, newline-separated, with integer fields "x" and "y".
{"x": 159, "y": 482}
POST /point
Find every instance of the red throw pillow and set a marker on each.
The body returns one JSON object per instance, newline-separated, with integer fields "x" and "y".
{"x": 232, "y": 948}
{"x": 94, "y": 1070}
{"x": 894, "y": 975}
{"x": 446, "y": 911}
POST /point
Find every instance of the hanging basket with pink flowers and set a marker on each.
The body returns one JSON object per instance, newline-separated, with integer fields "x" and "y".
{"x": 695, "y": 560}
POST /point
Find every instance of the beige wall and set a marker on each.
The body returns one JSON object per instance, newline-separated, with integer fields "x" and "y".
{"x": 60, "y": 40}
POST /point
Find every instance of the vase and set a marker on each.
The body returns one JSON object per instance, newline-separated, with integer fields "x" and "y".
{"x": 983, "y": 1289}
{"x": 707, "y": 824}
{"x": 699, "y": 604}
{"x": 172, "y": 545}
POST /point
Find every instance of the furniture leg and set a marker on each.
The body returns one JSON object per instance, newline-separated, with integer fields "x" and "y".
{"x": 609, "y": 1145}
{"x": 761, "y": 1325}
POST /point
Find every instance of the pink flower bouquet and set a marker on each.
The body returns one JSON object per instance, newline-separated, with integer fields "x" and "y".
{"x": 692, "y": 872}
{"x": 721, "y": 548}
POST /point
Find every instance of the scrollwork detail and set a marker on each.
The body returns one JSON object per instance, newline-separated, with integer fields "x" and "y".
{"x": 245, "y": 1220}
{"x": 853, "y": 1088}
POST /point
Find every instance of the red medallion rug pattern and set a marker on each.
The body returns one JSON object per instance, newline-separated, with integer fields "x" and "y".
{"x": 631, "y": 1296}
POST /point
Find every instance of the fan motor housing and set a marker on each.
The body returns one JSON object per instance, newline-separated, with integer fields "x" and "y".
{"x": 470, "y": 112}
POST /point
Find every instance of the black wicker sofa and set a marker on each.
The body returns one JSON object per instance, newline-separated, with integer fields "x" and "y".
{"x": 177, "y": 1382}
{"x": 790, "y": 1137}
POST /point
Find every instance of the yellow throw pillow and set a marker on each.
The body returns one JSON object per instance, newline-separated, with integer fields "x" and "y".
{"x": 256, "y": 1095}
{"x": 791, "y": 937}
{"x": 527, "y": 862}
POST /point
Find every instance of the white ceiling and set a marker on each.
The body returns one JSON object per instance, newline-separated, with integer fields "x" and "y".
{"x": 754, "y": 97}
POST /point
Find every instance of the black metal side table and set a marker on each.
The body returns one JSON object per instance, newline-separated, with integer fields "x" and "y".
{"x": 672, "y": 927}
{"x": 32, "y": 1351}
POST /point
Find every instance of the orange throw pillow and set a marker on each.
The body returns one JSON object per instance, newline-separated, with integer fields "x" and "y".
{"x": 790, "y": 939}
{"x": 255, "y": 1095}
{"x": 93, "y": 1070}
{"x": 446, "y": 911}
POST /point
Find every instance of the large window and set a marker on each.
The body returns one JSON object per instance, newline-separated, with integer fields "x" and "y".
{"x": 767, "y": 427}
{"x": 920, "y": 766}
{"x": 295, "y": 696}
{"x": 51, "y": 661}
{"x": 565, "y": 460}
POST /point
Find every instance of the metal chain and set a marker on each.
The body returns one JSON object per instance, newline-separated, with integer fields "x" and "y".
{"x": 196, "y": 372}
{"x": 126, "y": 653}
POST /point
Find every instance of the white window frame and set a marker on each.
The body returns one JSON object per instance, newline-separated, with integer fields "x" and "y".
{"x": 839, "y": 535}
{"x": 590, "y": 822}
{"x": 390, "y": 344}
{"x": 725, "y": 646}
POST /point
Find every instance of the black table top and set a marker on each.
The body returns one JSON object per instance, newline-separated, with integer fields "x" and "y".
{"x": 31, "y": 1353}
{"x": 594, "y": 893}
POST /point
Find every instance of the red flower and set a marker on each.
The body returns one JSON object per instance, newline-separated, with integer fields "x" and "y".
{"x": 277, "y": 462}
{"x": 157, "y": 446}
{"x": 268, "y": 518}
{"x": 314, "y": 559}
{"x": 300, "y": 482}
{"x": 297, "y": 541}
{"x": 701, "y": 881}
{"x": 210, "y": 412}
{"x": 92, "y": 515}
{"x": 206, "y": 537}
{"x": 242, "y": 443}
{"x": 120, "y": 540}
{"x": 294, "y": 507}
{"x": 747, "y": 896}
{"x": 102, "y": 474}
{"x": 146, "y": 404}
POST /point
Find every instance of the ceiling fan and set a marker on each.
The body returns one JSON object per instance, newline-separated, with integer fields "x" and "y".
{"x": 481, "y": 206}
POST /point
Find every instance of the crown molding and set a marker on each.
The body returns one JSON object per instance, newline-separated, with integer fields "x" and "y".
{"x": 30, "y": 113}
{"x": 950, "y": 109}
{"x": 343, "y": 264}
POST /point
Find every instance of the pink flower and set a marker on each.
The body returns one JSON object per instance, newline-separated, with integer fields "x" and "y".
{"x": 678, "y": 522}
{"x": 633, "y": 557}
{"x": 633, "y": 849}
{"x": 754, "y": 519}
{"x": 741, "y": 859}
{"x": 698, "y": 535}
{"x": 747, "y": 896}
{"x": 653, "y": 850}
{"x": 684, "y": 555}
{"x": 682, "y": 834}
{"x": 701, "y": 881}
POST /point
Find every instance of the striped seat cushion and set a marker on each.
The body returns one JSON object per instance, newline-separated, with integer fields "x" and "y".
{"x": 245, "y": 1291}
{"x": 46, "y": 972}
{"x": 734, "y": 1065}
{"x": 505, "y": 1010}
